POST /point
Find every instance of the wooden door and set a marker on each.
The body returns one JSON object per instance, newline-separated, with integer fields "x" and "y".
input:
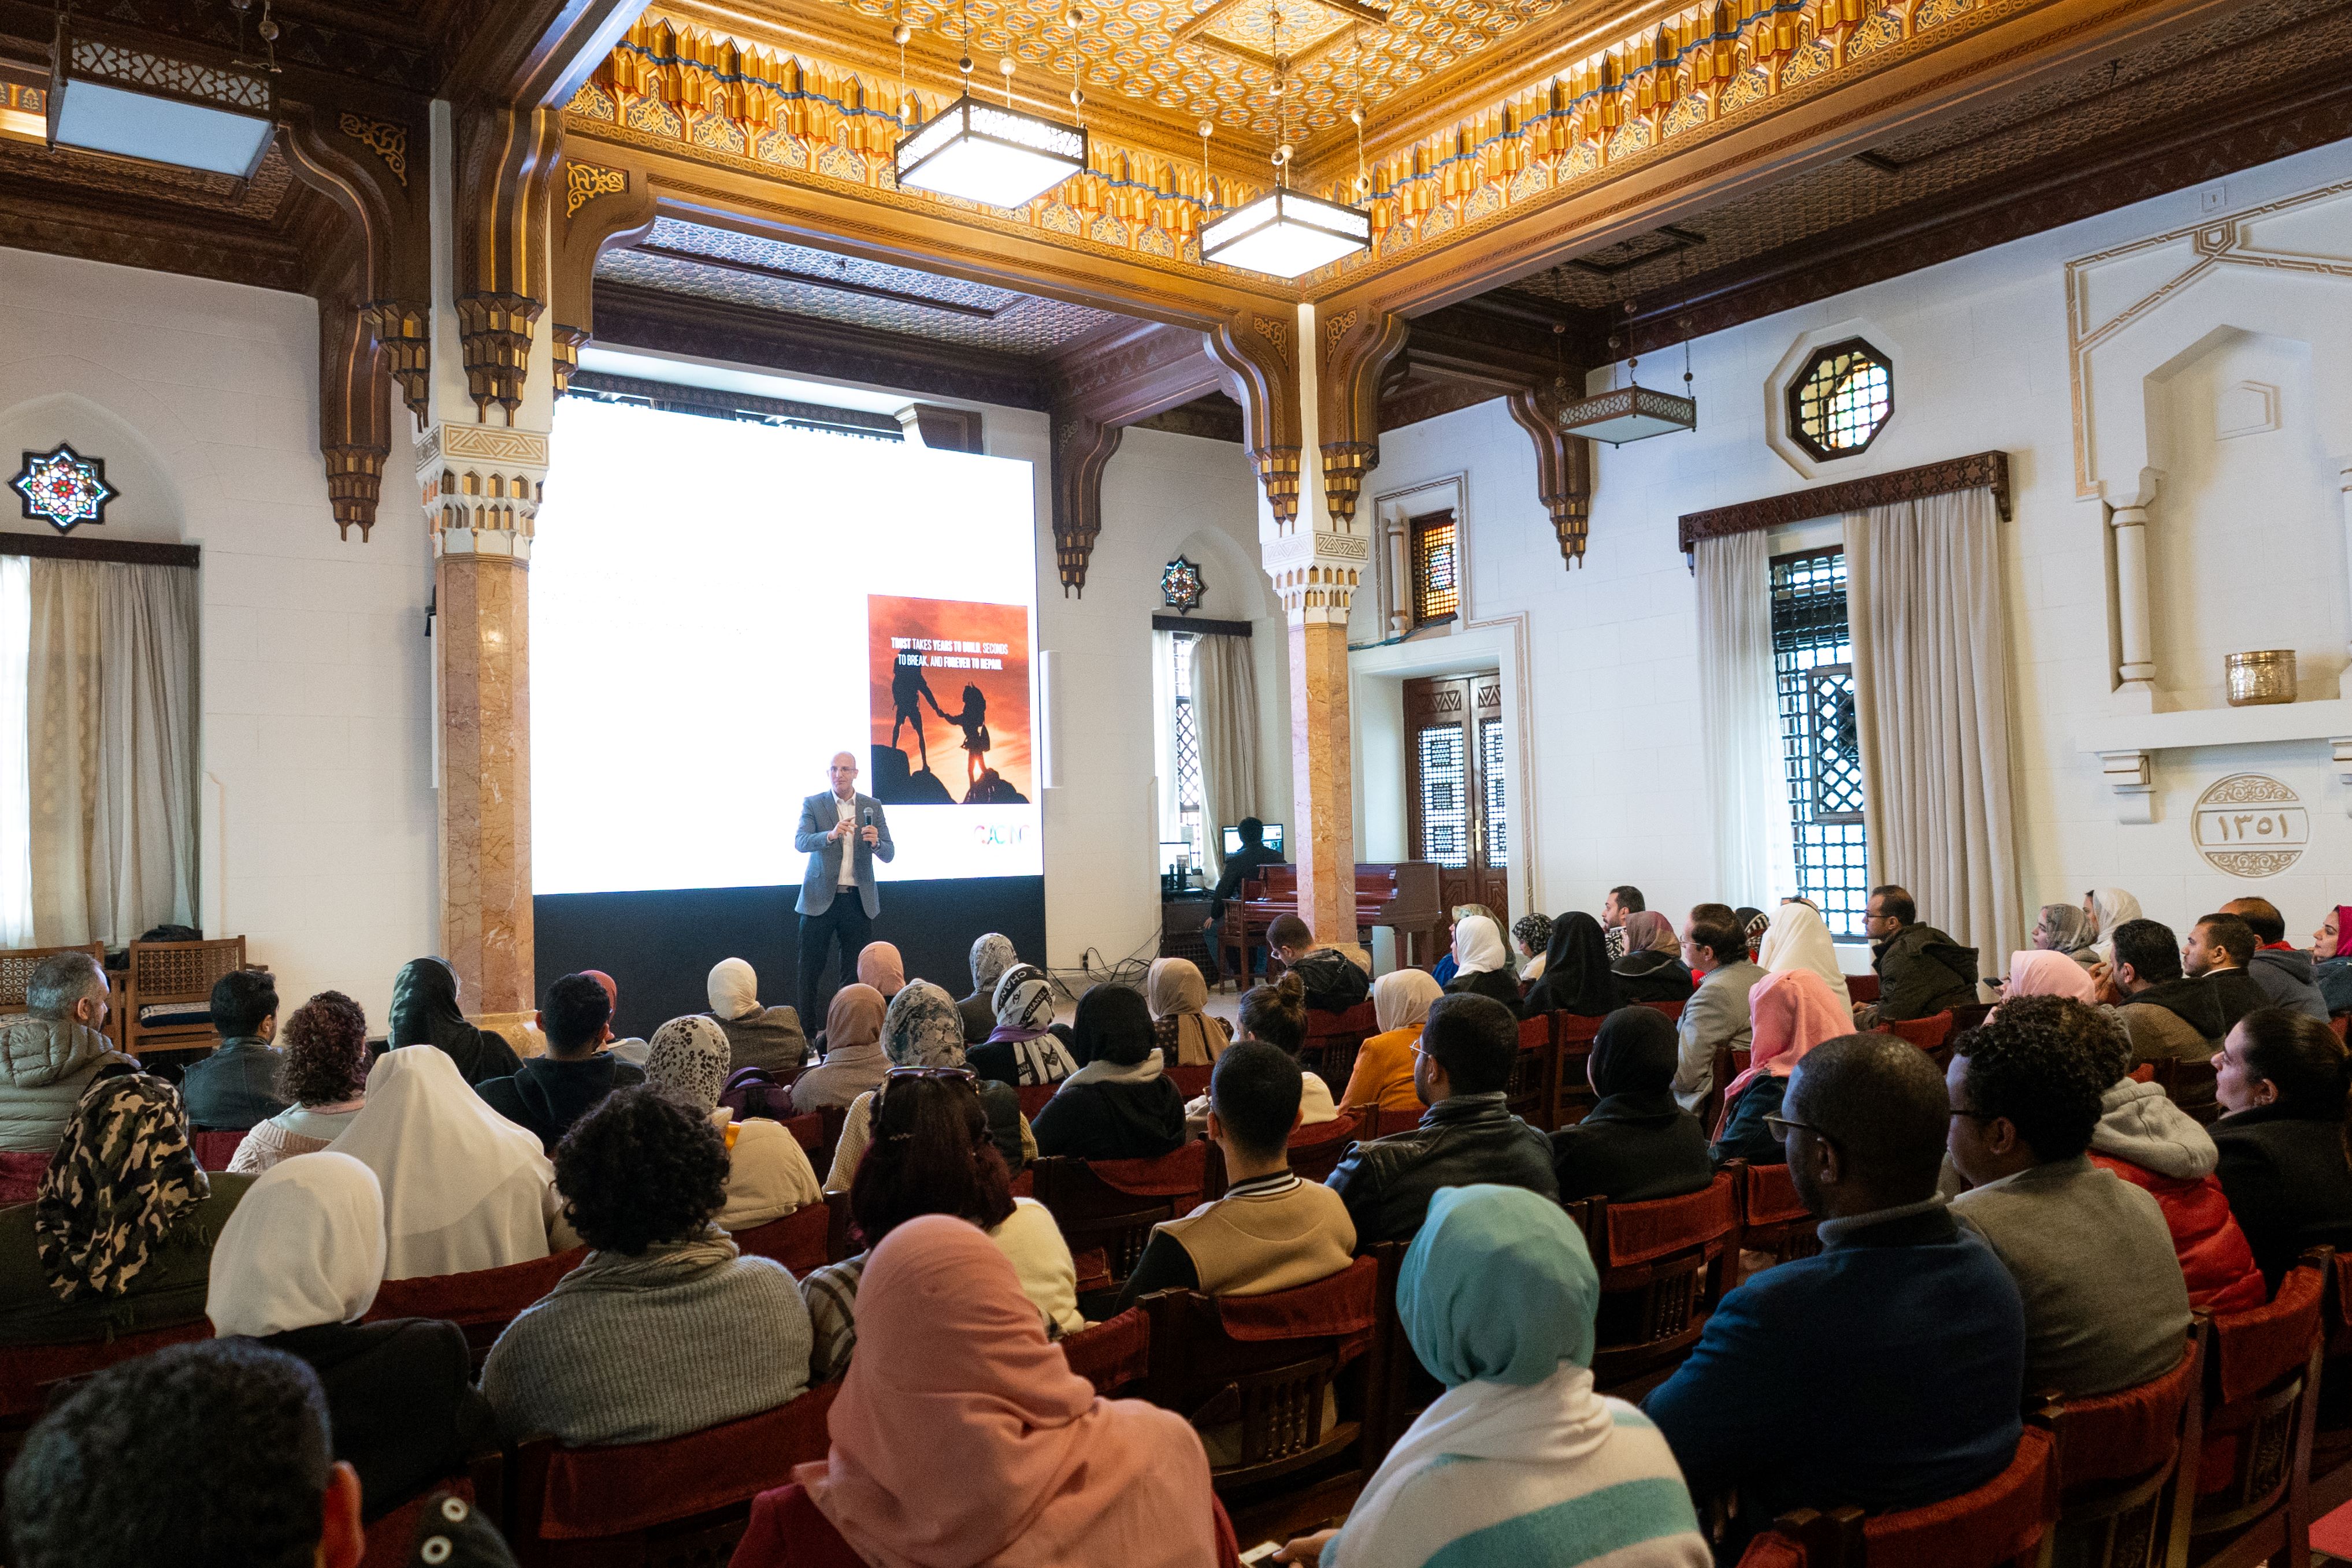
{"x": 1454, "y": 786}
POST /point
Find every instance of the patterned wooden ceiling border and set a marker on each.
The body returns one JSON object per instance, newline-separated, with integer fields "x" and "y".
{"x": 1983, "y": 470}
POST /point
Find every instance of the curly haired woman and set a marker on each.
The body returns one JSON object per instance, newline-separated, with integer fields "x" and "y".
{"x": 323, "y": 1072}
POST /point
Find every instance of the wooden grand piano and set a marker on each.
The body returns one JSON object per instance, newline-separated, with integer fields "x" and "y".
{"x": 1398, "y": 894}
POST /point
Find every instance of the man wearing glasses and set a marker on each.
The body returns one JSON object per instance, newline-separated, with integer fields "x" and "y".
{"x": 1899, "y": 1351}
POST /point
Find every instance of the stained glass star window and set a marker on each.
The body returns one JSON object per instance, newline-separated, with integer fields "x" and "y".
{"x": 63, "y": 487}
{"x": 1182, "y": 585}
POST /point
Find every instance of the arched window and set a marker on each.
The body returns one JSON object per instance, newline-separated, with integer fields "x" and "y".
{"x": 1840, "y": 400}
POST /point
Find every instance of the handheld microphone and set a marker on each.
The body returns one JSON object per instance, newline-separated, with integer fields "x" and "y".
{"x": 866, "y": 818}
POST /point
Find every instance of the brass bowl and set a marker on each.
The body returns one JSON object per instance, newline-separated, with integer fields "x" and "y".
{"x": 2262, "y": 677}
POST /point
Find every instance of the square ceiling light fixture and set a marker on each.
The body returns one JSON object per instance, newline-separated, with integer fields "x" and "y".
{"x": 108, "y": 97}
{"x": 1284, "y": 234}
{"x": 1629, "y": 413}
{"x": 990, "y": 154}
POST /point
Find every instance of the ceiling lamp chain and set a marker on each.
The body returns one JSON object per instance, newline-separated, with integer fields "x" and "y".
{"x": 1633, "y": 411}
{"x": 1284, "y": 234}
{"x": 1001, "y": 157}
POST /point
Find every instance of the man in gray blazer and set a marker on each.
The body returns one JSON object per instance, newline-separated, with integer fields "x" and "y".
{"x": 843, "y": 833}
{"x": 1716, "y": 1013}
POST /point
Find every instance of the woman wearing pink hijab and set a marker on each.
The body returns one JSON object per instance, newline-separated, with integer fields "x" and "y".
{"x": 2037, "y": 973}
{"x": 961, "y": 1438}
{"x": 1793, "y": 1011}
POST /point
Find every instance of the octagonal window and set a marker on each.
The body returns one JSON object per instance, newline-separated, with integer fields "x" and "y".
{"x": 1840, "y": 400}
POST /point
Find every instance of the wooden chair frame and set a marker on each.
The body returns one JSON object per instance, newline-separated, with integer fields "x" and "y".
{"x": 17, "y": 967}
{"x": 175, "y": 972}
{"x": 1092, "y": 1213}
{"x": 2265, "y": 1511}
{"x": 1667, "y": 1297}
{"x": 2138, "y": 1521}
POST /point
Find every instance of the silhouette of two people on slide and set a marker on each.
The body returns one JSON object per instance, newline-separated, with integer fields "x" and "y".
{"x": 909, "y": 690}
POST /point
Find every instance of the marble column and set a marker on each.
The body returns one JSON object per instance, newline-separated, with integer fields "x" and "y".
{"x": 2136, "y": 663}
{"x": 1317, "y": 573}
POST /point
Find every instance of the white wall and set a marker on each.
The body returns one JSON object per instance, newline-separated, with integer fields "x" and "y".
{"x": 317, "y": 807}
{"x": 2248, "y": 554}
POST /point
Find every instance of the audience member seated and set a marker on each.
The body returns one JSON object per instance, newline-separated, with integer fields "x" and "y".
{"x": 1921, "y": 971}
{"x": 879, "y": 966}
{"x": 1334, "y": 981}
{"x": 1531, "y": 939}
{"x": 2106, "y": 1304}
{"x": 1519, "y": 1461}
{"x": 2168, "y": 1016}
{"x": 934, "y": 1155}
{"x": 1446, "y": 966}
{"x": 464, "y": 1188}
{"x": 212, "y": 1454}
{"x": 323, "y": 1073}
{"x": 2046, "y": 973}
{"x": 631, "y": 1050}
{"x": 1717, "y": 1014}
{"x": 1270, "y": 1231}
{"x": 1754, "y": 923}
{"x": 920, "y": 1029}
{"x": 1023, "y": 1049}
{"x": 1903, "y": 1342}
{"x": 424, "y": 1012}
{"x": 1242, "y": 865}
{"x": 1119, "y": 1105}
{"x": 1794, "y": 1011}
{"x": 2108, "y": 909}
{"x": 664, "y": 1329}
{"x": 1636, "y": 1144}
{"x": 2280, "y": 971}
{"x": 1178, "y": 996}
{"x": 1797, "y": 938}
{"x": 961, "y": 1438}
{"x": 2157, "y": 1146}
{"x": 1466, "y": 1134}
{"x": 768, "y": 1172}
{"x": 2282, "y": 1079}
{"x": 991, "y": 955}
{"x": 2066, "y": 929}
{"x": 1576, "y": 977}
{"x": 1277, "y": 1016}
{"x": 1481, "y": 965}
{"x": 51, "y": 1055}
{"x": 549, "y": 1093}
{"x": 854, "y": 1062}
{"x": 120, "y": 1234}
{"x": 2331, "y": 955}
{"x": 236, "y": 1086}
{"x": 1615, "y": 905}
{"x": 2216, "y": 953}
{"x": 1652, "y": 969}
{"x": 1383, "y": 1075}
{"x": 296, "y": 1267}
{"x": 757, "y": 1036}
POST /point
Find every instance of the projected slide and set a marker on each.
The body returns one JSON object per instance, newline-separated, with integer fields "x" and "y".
{"x": 717, "y": 608}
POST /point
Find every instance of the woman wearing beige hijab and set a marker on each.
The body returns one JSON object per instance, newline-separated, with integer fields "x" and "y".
{"x": 1178, "y": 996}
{"x": 756, "y": 1036}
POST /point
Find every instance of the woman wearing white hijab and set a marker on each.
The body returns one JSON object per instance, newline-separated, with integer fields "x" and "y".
{"x": 768, "y": 1173}
{"x": 464, "y": 1188}
{"x": 771, "y": 1038}
{"x": 2108, "y": 907}
{"x": 296, "y": 1268}
{"x": 1481, "y": 963}
{"x": 1798, "y": 939}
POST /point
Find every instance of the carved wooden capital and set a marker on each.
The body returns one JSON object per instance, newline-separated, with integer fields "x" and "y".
{"x": 354, "y": 414}
{"x": 1082, "y": 445}
{"x": 1563, "y": 465}
{"x": 604, "y": 208}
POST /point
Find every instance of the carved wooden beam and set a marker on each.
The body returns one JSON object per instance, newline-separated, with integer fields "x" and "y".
{"x": 369, "y": 162}
{"x": 507, "y": 159}
{"x": 1082, "y": 445}
{"x": 1257, "y": 349}
{"x": 1142, "y": 369}
{"x": 1563, "y": 465}
{"x": 603, "y": 208}
{"x": 354, "y": 412}
{"x": 534, "y": 53}
{"x": 1359, "y": 341}
{"x": 945, "y": 428}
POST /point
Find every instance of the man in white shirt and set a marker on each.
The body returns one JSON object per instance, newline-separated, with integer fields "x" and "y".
{"x": 843, "y": 833}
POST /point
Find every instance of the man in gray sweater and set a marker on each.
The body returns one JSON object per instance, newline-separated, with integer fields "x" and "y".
{"x": 2105, "y": 1305}
{"x": 1717, "y": 1014}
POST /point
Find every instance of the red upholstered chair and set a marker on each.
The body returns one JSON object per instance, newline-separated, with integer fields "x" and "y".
{"x": 1404, "y": 1388}
{"x": 1572, "y": 1092}
{"x": 2121, "y": 1500}
{"x": 20, "y": 1176}
{"x": 1931, "y": 1034}
{"x": 1533, "y": 1073}
{"x": 2000, "y": 1525}
{"x": 683, "y": 1500}
{"x": 801, "y": 1241}
{"x": 1802, "y": 1538}
{"x": 2339, "y": 1022}
{"x": 1113, "y": 1204}
{"x": 1773, "y": 1218}
{"x": 1263, "y": 1364}
{"x": 1672, "y": 1010}
{"x": 1316, "y": 1151}
{"x": 216, "y": 1146}
{"x": 1191, "y": 1082}
{"x": 2331, "y": 1444}
{"x": 2262, "y": 1405}
{"x": 809, "y": 1130}
{"x": 1113, "y": 1354}
{"x": 2189, "y": 1085}
{"x": 788, "y": 1531}
{"x": 482, "y": 1488}
{"x": 482, "y": 1303}
{"x": 1862, "y": 988}
{"x": 1332, "y": 1042}
{"x": 1967, "y": 1015}
{"x": 1034, "y": 1097}
{"x": 1663, "y": 1265}
{"x": 30, "y": 1374}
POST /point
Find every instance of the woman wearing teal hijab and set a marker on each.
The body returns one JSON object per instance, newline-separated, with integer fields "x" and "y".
{"x": 1519, "y": 1461}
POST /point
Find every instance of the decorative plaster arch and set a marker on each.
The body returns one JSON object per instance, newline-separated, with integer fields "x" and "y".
{"x": 1232, "y": 565}
{"x": 130, "y": 412}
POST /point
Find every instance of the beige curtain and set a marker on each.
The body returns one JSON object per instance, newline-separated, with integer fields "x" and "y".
{"x": 1224, "y": 705}
{"x": 113, "y": 727}
{"x": 1739, "y": 704}
{"x": 1925, "y": 600}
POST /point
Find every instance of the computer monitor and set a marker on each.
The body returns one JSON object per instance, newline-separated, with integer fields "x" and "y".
{"x": 1273, "y": 839}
